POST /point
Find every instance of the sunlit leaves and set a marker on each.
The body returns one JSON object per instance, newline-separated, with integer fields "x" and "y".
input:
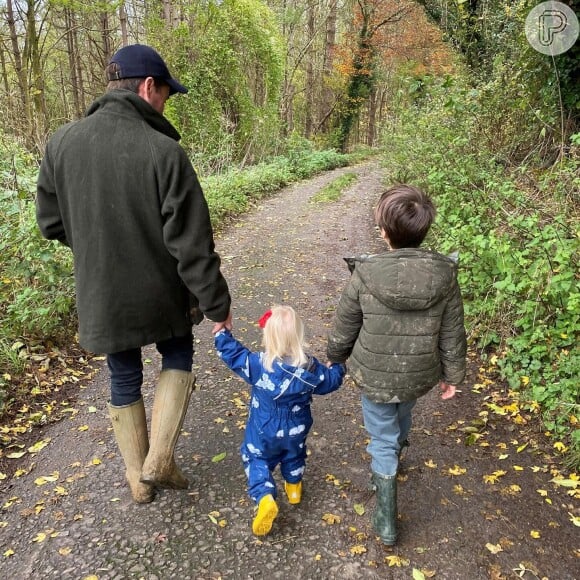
{"x": 456, "y": 470}
{"x": 396, "y": 561}
{"x": 494, "y": 477}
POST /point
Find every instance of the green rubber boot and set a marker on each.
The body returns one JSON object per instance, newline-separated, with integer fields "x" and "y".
{"x": 384, "y": 519}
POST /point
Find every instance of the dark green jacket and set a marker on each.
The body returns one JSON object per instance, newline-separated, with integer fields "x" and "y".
{"x": 400, "y": 320}
{"x": 120, "y": 191}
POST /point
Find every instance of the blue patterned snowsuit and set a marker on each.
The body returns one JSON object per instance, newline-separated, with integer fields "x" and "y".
{"x": 279, "y": 417}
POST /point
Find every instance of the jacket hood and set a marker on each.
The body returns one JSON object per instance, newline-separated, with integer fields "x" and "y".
{"x": 408, "y": 278}
{"x": 126, "y": 102}
{"x": 294, "y": 380}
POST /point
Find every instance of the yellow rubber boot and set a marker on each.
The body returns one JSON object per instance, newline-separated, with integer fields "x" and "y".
{"x": 293, "y": 491}
{"x": 267, "y": 512}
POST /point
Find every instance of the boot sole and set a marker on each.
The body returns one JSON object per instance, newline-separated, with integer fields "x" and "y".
{"x": 264, "y": 525}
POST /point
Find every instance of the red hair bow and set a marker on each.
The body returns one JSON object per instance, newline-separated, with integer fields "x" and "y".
{"x": 264, "y": 318}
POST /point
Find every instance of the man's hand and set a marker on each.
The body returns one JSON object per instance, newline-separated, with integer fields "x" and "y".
{"x": 447, "y": 391}
{"x": 227, "y": 324}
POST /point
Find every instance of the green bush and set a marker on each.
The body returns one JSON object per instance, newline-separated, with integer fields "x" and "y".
{"x": 517, "y": 234}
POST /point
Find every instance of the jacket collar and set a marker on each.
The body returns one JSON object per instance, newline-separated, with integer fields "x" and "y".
{"x": 129, "y": 103}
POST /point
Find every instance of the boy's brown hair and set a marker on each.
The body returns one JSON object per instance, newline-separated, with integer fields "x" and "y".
{"x": 405, "y": 213}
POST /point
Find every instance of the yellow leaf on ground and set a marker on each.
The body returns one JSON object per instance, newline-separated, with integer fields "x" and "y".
{"x": 431, "y": 464}
{"x": 535, "y": 534}
{"x": 3, "y": 476}
{"x": 38, "y": 446}
{"x": 46, "y": 478}
{"x": 83, "y": 428}
{"x": 65, "y": 551}
{"x": 574, "y": 519}
{"x": 16, "y": 455}
{"x": 396, "y": 561}
{"x": 96, "y": 461}
{"x": 40, "y": 537}
{"x": 317, "y": 557}
{"x": 331, "y": 519}
{"x": 8, "y": 553}
{"x": 358, "y": 549}
{"x": 542, "y": 492}
{"x": 494, "y": 548}
{"x": 518, "y": 468}
{"x": 456, "y": 470}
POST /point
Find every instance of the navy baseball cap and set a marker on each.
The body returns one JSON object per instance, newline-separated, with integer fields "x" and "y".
{"x": 141, "y": 61}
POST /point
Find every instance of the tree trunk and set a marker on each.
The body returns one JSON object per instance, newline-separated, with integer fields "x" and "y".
{"x": 327, "y": 101}
{"x": 38, "y": 120}
{"x": 372, "y": 128}
{"x": 106, "y": 36}
{"x": 21, "y": 73}
{"x": 311, "y": 28}
{"x": 70, "y": 45}
{"x": 123, "y": 20}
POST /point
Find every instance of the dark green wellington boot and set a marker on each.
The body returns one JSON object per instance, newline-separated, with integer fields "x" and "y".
{"x": 384, "y": 518}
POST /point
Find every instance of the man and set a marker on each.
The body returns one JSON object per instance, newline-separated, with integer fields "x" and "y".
{"x": 117, "y": 188}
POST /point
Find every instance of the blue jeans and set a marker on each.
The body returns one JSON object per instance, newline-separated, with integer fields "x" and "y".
{"x": 388, "y": 425}
{"x": 126, "y": 367}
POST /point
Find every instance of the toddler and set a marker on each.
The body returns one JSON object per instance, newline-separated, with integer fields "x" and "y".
{"x": 283, "y": 380}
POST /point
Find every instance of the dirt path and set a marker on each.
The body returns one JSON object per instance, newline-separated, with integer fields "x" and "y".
{"x": 454, "y": 525}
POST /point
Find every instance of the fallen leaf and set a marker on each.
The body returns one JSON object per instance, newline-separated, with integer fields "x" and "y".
{"x": 431, "y": 464}
{"x": 396, "y": 561}
{"x": 8, "y": 553}
{"x": 331, "y": 519}
{"x": 40, "y": 537}
{"x": 46, "y": 478}
{"x": 219, "y": 457}
{"x": 39, "y": 445}
{"x": 358, "y": 549}
{"x": 359, "y": 509}
{"x": 83, "y": 428}
{"x": 494, "y": 548}
{"x": 16, "y": 455}
{"x": 418, "y": 574}
{"x": 535, "y": 534}
{"x": 65, "y": 551}
{"x": 456, "y": 470}
{"x": 574, "y": 519}
{"x": 573, "y": 483}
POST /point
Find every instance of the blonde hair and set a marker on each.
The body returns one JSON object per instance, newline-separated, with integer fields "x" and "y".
{"x": 284, "y": 338}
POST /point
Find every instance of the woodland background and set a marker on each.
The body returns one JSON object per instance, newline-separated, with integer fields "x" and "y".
{"x": 448, "y": 93}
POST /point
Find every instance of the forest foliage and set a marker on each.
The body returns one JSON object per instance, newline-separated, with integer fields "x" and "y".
{"x": 451, "y": 95}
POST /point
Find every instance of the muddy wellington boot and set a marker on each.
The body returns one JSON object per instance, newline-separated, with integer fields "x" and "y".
{"x": 130, "y": 428}
{"x": 384, "y": 519}
{"x": 169, "y": 409}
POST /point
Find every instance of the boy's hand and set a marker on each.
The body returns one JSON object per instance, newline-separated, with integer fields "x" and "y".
{"x": 447, "y": 391}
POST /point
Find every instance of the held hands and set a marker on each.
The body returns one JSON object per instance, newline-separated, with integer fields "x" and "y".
{"x": 447, "y": 391}
{"x": 227, "y": 324}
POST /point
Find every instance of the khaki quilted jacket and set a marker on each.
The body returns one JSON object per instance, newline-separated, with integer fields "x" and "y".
{"x": 400, "y": 323}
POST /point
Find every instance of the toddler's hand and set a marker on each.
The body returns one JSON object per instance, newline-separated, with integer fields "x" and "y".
{"x": 447, "y": 391}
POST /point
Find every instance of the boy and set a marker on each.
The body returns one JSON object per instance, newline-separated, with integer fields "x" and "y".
{"x": 400, "y": 321}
